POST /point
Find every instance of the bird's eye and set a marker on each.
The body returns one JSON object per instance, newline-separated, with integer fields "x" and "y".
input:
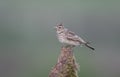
{"x": 59, "y": 27}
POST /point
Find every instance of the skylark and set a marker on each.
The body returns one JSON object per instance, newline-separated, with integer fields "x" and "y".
{"x": 68, "y": 37}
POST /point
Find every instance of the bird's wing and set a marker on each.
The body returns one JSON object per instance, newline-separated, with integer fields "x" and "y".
{"x": 71, "y": 33}
{"x": 72, "y": 36}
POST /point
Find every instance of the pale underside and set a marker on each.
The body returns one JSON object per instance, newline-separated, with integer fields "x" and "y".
{"x": 65, "y": 41}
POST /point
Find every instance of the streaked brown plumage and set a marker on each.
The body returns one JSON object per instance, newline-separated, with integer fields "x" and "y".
{"x": 68, "y": 37}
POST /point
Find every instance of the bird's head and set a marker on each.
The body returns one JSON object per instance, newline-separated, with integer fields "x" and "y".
{"x": 59, "y": 27}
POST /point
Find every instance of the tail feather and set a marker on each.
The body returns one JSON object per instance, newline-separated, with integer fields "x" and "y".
{"x": 89, "y": 46}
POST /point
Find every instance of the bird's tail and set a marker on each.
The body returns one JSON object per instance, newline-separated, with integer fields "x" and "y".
{"x": 87, "y": 45}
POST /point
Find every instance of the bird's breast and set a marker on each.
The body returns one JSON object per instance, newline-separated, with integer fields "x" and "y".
{"x": 61, "y": 38}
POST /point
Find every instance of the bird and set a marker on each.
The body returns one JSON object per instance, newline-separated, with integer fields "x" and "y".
{"x": 68, "y": 37}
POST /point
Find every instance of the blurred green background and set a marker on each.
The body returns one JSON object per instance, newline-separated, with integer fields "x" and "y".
{"x": 28, "y": 42}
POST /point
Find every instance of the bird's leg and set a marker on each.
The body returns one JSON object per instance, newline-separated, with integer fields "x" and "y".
{"x": 67, "y": 46}
{"x": 63, "y": 45}
{"x": 71, "y": 46}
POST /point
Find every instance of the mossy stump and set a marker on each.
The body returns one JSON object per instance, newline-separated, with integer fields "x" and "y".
{"x": 66, "y": 65}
